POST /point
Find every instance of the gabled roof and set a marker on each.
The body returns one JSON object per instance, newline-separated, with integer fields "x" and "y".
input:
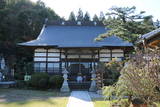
{"x": 149, "y": 35}
{"x": 75, "y": 36}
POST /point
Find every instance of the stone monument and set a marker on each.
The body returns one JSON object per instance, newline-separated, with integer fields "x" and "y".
{"x": 65, "y": 87}
{"x": 93, "y": 82}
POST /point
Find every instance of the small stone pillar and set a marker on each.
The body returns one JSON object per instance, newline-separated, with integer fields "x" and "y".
{"x": 65, "y": 87}
{"x": 93, "y": 82}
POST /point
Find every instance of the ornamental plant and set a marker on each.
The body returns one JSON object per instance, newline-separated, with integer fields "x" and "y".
{"x": 140, "y": 78}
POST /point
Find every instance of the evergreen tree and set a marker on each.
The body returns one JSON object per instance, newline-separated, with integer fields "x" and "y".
{"x": 125, "y": 23}
{"x": 157, "y": 23}
{"x": 80, "y": 15}
{"x": 20, "y": 21}
{"x": 101, "y": 17}
{"x": 86, "y": 17}
{"x": 95, "y": 18}
{"x": 72, "y": 17}
{"x": 2, "y": 4}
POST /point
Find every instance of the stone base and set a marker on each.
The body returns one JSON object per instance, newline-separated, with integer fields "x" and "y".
{"x": 65, "y": 89}
{"x": 99, "y": 92}
{"x": 92, "y": 89}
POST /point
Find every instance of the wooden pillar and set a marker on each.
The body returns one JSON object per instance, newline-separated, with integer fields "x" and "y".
{"x": 124, "y": 53}
{"x": 93, "y": 58}
{"x": 47, "y": 60}
{"x": 60, "y": 61}
{"x": 98, "y": 54}
{"x": 111, "y": 53}
{"x": 79, "y": 64}
{"x": 66, "y": 59}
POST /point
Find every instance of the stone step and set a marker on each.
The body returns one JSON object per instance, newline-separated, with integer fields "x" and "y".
{"x": 79, "y": 86}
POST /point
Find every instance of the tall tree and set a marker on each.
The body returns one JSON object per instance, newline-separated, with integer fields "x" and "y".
{"x": 95, "y": 18}
{"x": 125, "y": 23}
{"x": 20, "y": 21}
{"x": 101, "y": 16}
{"x": 72, "y": 17}
{"x": 80, "y": 15}
{"x": 86, "y": 17}
{"x": 157, "y": 23}
{"x": 2, "y": 4}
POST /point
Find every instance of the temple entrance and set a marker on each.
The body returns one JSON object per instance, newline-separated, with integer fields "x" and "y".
{"x": 79, "y": 63}
{"x": 82, "y": 71}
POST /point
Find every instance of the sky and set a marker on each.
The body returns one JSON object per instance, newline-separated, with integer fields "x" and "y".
{"x": 64, "y": 7}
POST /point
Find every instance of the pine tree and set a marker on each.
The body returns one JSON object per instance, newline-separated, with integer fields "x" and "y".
{"x": 80, "y": 15}
{"x": 2, "y": 4}
{"x": 102, "y": 16}
{"x": 95, "y": 18}
{"x": 72, "y": 17}
{"x": 157, "y": 23}
{"x": 86, "y": 17}
{"x": 125, "y": 23}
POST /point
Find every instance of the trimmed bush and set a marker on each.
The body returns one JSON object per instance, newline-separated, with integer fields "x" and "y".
{"x": 20, "y": 84}
{"x": 39, "y": 80}
{"x": 43, "y": 83}
{"x": 56, "y": 81}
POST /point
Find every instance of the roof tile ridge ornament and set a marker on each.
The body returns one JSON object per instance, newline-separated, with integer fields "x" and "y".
{"x": 42, "y": 30}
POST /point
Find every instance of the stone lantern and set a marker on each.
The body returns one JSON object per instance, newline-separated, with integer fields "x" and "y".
{"x": 93, "y": 82}
{"x": 65, "y": 87}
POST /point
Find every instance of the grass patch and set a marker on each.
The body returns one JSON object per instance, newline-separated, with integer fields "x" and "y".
{"x": 31, "y": 98}
{"x": 101, "y": 103}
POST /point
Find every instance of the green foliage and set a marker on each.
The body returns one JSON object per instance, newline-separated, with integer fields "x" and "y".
{"x": 72, "y": 17}
{"x": 157, "y": 24}
{"x": 19, "y": 76}
{"x": 111, "y": 71}
{"x": 140, "y": 78}
{"x": 86, "y": 17}
{"x": 80, "y": 15}
{"x": 42, "y": 84}
{"x": 95, "y": 18}
{"x": 125, "y": 23}
{"x": 39, "y": 80}
{"x": 20, "y": 84}
{"x": 101, "y": 17}
{"x": 21, "y": 21}
{"x": 2, "y": 4}
{"x": 109, "y": 92}
{"x": 42, "y": 80}
{"x": 56, "y": 81}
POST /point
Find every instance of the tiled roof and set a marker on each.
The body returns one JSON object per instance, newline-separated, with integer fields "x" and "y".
{"x": 75, "y": 36}
{"x": 150, "y": 34}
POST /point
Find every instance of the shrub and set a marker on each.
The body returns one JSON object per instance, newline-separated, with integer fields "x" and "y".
{"x": 39, "y": 80}
{"x": 19, "y": 76}
{"x": 111, "y": 71}
{"x": 43, "y": 83}
{"x": 20, "y": 84}
{"x": 56, "y": 81}
{"x": 140, "y": 78}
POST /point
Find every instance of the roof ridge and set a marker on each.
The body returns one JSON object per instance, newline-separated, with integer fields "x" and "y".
{"x": 75, "y": 23}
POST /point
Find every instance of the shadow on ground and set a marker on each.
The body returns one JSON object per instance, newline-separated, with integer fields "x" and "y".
{"x": 23, "y": 97}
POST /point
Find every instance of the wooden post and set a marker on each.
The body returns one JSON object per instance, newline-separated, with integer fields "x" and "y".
{"x": 47, "y": 60}
{"x": 60, "y": 61}
{"x": 111, "y": 53}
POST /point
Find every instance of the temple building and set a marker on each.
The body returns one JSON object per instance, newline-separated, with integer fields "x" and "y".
{"x": 72, "y": 45}
{"x": 151, "y": 39}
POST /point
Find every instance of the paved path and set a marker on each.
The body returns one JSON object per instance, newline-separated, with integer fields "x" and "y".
{"x": 80, "y": 99}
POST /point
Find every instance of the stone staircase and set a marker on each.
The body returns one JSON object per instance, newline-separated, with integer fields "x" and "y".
{"x": 73, "y": 85}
